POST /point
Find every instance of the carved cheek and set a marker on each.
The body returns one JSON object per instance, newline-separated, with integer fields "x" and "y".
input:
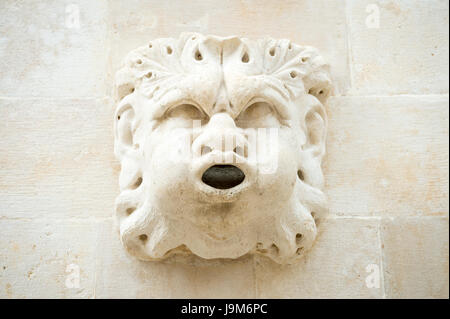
{"x": 169, "y": 144}
{"x": 289, "y": 154}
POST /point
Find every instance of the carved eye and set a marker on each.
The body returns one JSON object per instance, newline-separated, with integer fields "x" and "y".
{"x": 255, "y": 111}
{"x": 187, "y": 111}
{"x": 259, "y": 114}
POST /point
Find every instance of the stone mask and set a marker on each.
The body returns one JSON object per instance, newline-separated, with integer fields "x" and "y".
{"x": 220, "y": 141}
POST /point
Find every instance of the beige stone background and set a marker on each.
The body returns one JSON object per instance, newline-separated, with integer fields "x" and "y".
{"x": 386, "y": 170}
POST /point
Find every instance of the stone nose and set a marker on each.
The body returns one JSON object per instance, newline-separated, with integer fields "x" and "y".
{"x": 221, "y": 136}
{"x": 221, "y": 120}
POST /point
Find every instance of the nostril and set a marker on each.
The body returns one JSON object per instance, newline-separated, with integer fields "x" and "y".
{"x": 223, "y": 176}
{"x": 241, "y": 151}
{"x": 206, "y": 150}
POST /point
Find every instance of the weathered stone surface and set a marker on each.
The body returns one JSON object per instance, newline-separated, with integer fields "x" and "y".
{"x": 335, "y": 268}
{"x": 47, "y": 258}
{"x": 388, "y": 156}
{"x": 415, "y": 254}
{"x": 406, "y": 54}
{"x": 294, "y": 20}
{"x": 56, "y": 159}
{"x": 120, "y": 275}
{"x": 53, "y": 48}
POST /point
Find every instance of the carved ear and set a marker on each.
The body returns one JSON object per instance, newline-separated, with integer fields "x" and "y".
{"x": 124, "y": 130}
{"x": 315, "y": 127}
{"x": 125, "y": 148}
{"x": 315, "y": 124}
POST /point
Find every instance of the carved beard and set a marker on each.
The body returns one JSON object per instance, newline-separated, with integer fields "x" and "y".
{"x": 284, "y": 236}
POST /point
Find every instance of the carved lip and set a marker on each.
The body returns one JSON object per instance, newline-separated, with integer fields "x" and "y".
{"x": 223, "y": 176}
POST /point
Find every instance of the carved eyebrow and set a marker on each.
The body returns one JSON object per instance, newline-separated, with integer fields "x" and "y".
{"x": 170, "y": 104}
{"x": 184, "y": 102}
{"x": 170, "y": 99}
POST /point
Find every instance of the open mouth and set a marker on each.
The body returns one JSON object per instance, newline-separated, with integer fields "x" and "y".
{"x": 223, "y": 176}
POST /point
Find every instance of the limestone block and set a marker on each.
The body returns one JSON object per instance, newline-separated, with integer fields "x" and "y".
{"x": 44, "y": 258}
{"x": 122, "y": 276}
{"x": 388, "y": 155}
{"x": 56, "y": 158}
{"x": 415, "y": 253}
{"x": 136, "y": 22}
{"x": 405, "y": 53}
{"x": 336, "y": 268}
{"x": 53, "y": 48}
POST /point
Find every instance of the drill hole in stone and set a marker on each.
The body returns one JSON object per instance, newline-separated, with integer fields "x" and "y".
{"x": 272, "y": 52}
{"x": 150, "y": 45}
{"x": 169, "y": 50}
{"x": 304, "y": 59}
{"x": 293, "y": 74}
{"x": 245, "y": 58}
{"x": 298, "y": 238}
{"x": 143, "y": 238}
{"x": 299, "y": 251}
{"x": 300, "y": 175}
{"x": 138, "y": 183}
{"x": 198, "y": 55}
{"x": 130, "y": 210}
{"x": 149, "y": 75}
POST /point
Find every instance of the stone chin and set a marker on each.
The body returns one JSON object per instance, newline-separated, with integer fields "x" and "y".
{"x": 184, "y": 189}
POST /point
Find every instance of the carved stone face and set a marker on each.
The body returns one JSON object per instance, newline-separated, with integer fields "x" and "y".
{"x": 221, "y": 142}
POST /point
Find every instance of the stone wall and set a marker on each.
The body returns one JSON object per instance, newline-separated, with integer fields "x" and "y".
{"x": 386, "y": 169}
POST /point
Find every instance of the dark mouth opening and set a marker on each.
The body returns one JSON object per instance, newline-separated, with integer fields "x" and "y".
{"x": 223, "y": 176}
